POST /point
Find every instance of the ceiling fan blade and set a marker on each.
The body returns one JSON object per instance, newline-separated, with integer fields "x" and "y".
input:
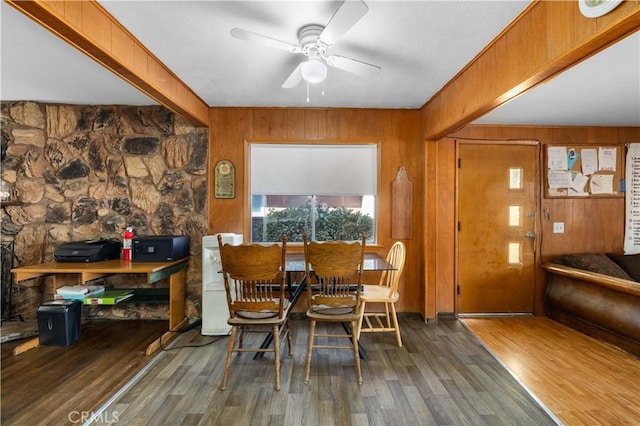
{"x": 353, "y": 66}
{"x": 241, "y": 34}
{"x": 349, "y": 12}
{"x": 294, "y": 78}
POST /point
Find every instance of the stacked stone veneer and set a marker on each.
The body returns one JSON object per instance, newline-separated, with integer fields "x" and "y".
{"x": 87, "y": 172}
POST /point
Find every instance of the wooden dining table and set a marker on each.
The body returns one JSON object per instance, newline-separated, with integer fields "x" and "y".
{"x": 297, "y": 282}
{"x": 296, "y": 270}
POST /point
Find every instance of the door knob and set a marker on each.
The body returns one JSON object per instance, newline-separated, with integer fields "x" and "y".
{"x": 531, "y": 235}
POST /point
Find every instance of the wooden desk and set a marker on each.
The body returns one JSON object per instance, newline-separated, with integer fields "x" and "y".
{"x": 72, "y": 273}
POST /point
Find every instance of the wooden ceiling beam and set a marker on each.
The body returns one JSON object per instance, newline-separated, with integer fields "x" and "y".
{"x": 91, "y": 29}
{"x": 546, "y": 38}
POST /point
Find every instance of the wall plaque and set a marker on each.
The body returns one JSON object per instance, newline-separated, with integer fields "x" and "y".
{"x": 402, "y": 206}
{"x": 225, "y": 179}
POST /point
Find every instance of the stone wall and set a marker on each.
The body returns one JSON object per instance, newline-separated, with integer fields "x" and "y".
{"x": 86, "y": 172}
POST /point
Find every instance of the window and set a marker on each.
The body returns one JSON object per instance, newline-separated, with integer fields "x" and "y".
{"x": 515, "y": 253}
{"x": 515, "y": 216}
{"x": 327, "y": 191}
{"x": 515, "y": 178}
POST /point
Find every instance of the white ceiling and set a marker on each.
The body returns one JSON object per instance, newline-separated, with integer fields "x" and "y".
{"x": 38, "y": 66}
{"x": 420, "y": 45}
{"x": 604, "y": 90}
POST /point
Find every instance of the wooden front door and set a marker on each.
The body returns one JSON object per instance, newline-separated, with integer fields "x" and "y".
{"x": 496, "y": 227}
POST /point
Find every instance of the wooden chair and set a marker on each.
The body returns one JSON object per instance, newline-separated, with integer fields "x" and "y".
{"x": 333, "y": 293}
{"x": 254, "y": 281}
{"x": 386, "y": 292}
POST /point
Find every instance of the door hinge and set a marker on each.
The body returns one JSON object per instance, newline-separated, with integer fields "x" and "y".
{"x": 459, "y": 162}
{"x": 459, "y": 226}
{"x": 458, "y": 289}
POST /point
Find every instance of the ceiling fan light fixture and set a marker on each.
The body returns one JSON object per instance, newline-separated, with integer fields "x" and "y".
{"x": 314, "y": 70}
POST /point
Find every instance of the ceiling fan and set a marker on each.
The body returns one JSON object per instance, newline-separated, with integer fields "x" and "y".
{"x": 314, "y": 41}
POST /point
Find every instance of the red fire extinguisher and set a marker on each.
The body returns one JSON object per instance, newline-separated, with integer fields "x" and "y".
{"x": 127, "y": 240}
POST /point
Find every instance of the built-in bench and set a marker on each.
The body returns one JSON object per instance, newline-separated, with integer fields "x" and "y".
{"x": 597, "y": 294}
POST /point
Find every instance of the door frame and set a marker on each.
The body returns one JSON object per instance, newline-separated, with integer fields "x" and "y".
{"x": 538, "y": 274}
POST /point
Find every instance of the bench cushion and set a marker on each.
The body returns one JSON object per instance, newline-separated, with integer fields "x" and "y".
{"x": 592, "y": 262}
{"x": 630, "y": 264}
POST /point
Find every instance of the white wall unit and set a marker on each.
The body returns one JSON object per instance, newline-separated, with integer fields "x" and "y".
{"x": 214, "y": 300}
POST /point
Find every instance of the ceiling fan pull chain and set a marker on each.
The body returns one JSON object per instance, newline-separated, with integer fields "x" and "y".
{"x": 307, "y": 92}
{"x": 322, "y": 87}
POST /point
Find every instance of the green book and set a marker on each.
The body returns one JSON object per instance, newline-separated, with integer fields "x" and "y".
{"x": 109, "y": 297}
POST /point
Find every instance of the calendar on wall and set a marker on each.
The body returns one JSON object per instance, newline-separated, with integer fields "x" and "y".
{"x": 632, "y": 200}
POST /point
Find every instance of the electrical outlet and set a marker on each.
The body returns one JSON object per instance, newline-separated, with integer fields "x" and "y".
{"x": 558, "y": 227}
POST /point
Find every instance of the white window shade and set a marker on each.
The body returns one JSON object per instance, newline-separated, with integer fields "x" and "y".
{"x": 278, "y": 169}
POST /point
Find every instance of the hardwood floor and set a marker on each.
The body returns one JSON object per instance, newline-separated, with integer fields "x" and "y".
{"x": 442, "y": 375}
{"x": 59, "y": 384}
{"x": 582, "y": 380}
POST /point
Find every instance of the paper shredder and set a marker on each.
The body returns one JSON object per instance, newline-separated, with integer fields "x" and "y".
{"x": 59, "y": 322}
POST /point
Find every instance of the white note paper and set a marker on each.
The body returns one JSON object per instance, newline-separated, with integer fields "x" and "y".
{"x": 557, "y": 158}
{"x": 589, "y": 158}
{"x": 559, "y": 179}
{"x": 607, "y": 158}
{"x": 601, "y": 184}
{"x": 578, "y": 183}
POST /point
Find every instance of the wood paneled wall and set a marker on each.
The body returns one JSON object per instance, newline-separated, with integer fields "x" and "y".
{"x": 399, "y": 133}
{"x": 591, "y": 225}
{"x": 549, "y": 37}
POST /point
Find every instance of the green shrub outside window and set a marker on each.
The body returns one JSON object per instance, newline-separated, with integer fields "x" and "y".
{"x": 339, "y": 223}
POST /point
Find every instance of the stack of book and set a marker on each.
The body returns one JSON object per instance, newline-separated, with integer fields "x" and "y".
{"x": 109, "y": 297}
{"x": 79, "y": 292}
{"x": 93, "y": 295}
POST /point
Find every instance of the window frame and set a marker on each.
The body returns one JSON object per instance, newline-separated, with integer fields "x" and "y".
{"x": 247, "y": 218}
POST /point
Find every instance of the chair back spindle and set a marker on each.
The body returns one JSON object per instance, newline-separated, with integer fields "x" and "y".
{"x": 337, "y": 267}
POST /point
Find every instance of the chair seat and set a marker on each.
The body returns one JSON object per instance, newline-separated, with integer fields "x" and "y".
{"x": 265, "y": 317}
{"x": 377, "y": 293}
{"x": 333, "y": 317}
